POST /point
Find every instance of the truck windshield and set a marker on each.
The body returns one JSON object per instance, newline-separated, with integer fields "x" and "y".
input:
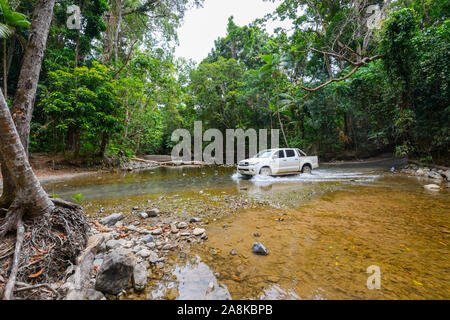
{"x": 264, "y": 154}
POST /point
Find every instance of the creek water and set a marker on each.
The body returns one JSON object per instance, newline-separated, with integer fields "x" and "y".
{"x": 323, "y": 230}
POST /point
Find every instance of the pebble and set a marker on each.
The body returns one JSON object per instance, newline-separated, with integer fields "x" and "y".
{"x": 112, "y": 244}
{"x": 143, "y": 215}
{"x": 182, "y": 225}
{"x": 132, "y": 228}
{"x": 153, "y": 212}
{"x": 148, "y": 238}
{"x": 151, "y": 245}
{"x": 433, "y": 187}
{"x": 258, "y": 248}
{"x": 112, "y": 219}
{"x": 153, "y": 257}
{"x": 144, "y": 253}
{"x": 157, "y": 231}
{"x": 128, "y": 244}
{"x": 198, "y": 231}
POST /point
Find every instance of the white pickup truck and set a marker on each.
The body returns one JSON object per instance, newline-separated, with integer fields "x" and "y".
{"x": 278, "y": 162}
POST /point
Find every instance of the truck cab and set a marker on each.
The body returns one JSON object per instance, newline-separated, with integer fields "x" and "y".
{"x": 274, "y": 162}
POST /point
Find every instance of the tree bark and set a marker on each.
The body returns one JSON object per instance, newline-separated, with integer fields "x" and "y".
{"x": 5, "y": 77}
{"x": 9, "y": 189}
{"x": 23, "y": 105}
{"x": 29, "y": 192}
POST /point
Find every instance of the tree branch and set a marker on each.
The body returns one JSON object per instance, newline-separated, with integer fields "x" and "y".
{"x": 357, "y": 66}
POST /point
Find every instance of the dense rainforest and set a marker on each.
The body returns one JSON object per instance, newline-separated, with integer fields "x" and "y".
{"x": 98, "y": 82}
{"x": 342, "y": 83}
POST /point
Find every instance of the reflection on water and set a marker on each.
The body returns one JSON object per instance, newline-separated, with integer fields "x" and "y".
{"x": 190, "y": 279}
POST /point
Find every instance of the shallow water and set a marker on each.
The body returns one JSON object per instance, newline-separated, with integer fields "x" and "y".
{"x": 322, "y": 231}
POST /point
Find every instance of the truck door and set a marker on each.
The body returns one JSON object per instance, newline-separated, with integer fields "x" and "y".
{"x": 292, "y": 161}
{"x": 279, "y": 162}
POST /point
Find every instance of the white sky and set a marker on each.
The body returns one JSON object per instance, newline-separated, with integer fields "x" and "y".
{"x": 204, "y": 25}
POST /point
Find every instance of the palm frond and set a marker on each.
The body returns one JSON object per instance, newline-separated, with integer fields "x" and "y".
{"x": 5, "y": 31}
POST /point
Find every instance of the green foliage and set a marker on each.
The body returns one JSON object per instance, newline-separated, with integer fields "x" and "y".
{"x": 78, "y": 197}
{"x": 131, "y": 104}
{"x": 11, "y": 18}
{"x": 83, "y": 107}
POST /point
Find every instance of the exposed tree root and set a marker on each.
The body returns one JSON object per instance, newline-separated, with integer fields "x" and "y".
{"x": 8, "y": 294}
{"x": 13, "y": 216}
{"x": 45, "y": 247}
{"x": 26, "y": 287}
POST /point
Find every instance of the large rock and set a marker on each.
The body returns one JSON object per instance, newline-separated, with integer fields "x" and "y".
{"x": 435, "y": 175}
{"x": 140, "y": 275}
{"x": 112, "y": 219}
{"x": 116, "y": 271}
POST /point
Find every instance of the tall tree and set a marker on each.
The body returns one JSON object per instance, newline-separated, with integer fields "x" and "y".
{"x": 23, "y": 105}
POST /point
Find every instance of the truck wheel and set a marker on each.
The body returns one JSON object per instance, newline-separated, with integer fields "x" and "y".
{"x": 265, "y": 171}
{"x": 306, "y": 169}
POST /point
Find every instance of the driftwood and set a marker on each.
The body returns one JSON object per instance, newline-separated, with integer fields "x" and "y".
{"x": 428, "y": 165}
{"x": 170, "y": 163}
{"x": 83, "y": 271}
{"x": 143, "y": 160}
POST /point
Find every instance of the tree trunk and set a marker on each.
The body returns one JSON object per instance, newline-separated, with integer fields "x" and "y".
{"x": 9, "y": 189}
{"x": 22, "y": 109}
{"x": 279, "y": 119}
{"x": 23, "y": 105}
{"x": 5, "y": 77}
{"x": 30, "y": 194}
{"x": 104, "y": 145}
{"x": 10, "y": 54}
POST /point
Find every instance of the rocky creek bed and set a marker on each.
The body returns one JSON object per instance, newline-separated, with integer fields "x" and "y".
{"x": 136, "y": 245}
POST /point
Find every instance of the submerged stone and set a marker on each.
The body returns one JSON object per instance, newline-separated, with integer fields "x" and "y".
{"x": 258, "y": 248}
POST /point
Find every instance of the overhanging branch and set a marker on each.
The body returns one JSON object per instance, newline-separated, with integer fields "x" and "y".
{"x": 356, "y": 67}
